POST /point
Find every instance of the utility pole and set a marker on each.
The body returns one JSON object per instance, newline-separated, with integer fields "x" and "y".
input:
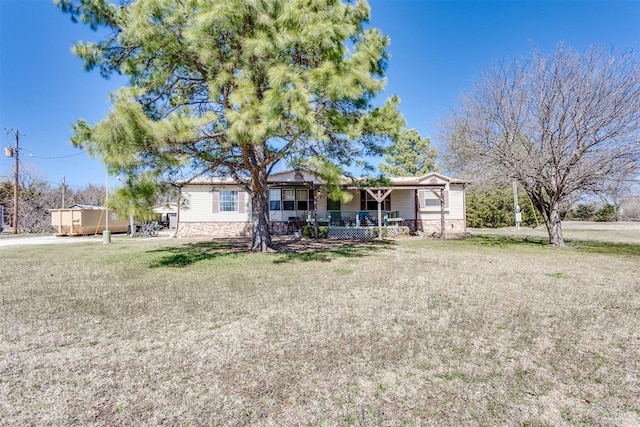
{"x": 15, "y": 153}
{"x": 64, "y": 188}
{"x": 516, "y": 205}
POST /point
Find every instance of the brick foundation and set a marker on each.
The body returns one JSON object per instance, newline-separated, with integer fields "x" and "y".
{"x": 451, "y": 226}
{"x": 214, "y": 229}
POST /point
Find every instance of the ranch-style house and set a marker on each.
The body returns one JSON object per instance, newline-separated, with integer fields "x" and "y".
{"x": 433, "y": 204}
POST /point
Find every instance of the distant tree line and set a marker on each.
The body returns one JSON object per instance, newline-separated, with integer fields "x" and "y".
{"x": 492, "y": 207}
{"x": 36, "y": 196}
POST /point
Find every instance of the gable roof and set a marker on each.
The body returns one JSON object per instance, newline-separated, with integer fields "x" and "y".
{"x": 431, "y": 178}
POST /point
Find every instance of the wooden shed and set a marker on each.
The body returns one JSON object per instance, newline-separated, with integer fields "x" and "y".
{"x": 81, "y": 220}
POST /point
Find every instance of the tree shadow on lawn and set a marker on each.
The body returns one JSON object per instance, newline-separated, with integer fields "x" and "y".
{"x": 285, "y": 249}
{"x": 324, "y": 250}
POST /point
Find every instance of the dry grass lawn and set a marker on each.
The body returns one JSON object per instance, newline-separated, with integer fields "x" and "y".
{"x": 483, "y": 331}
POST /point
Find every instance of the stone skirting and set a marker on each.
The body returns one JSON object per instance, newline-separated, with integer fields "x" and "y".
{"x": 428, "y": 227}
{"x": 214, "y": 229}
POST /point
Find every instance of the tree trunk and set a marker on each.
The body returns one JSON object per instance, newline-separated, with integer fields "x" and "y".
{"x": 550, "y": 211}
{"x": 554, "y": 226}
{"x": 552, "y": 221}
{"x": 261, "y": 240}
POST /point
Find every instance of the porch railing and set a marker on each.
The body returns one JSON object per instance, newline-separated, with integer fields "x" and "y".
{"x": 361, "y": 218}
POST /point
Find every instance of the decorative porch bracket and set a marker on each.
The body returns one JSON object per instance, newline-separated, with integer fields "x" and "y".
{"x": 440, "y": 195}
{"x": 379, "y": 197}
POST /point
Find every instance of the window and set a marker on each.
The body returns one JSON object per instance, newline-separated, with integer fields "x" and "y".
{"x": 302, "y": 197}
{"x": 289, "y": 199}
{"x": 228, "y": 201}
{"x": 368, "y": 203}
{"x": 430, "y": 200}
{"x": 274, "y": 200}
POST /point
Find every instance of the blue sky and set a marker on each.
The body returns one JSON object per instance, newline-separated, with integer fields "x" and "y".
{"x": 438, "y": 48}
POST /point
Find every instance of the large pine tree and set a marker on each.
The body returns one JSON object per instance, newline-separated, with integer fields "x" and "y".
{"x": 230, "y": 87}
{"x": 409, "y": 155}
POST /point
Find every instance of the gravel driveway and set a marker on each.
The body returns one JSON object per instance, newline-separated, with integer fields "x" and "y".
{"x": 21, "y": 240}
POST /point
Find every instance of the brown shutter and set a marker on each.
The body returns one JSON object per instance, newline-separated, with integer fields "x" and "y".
{"x": 363, "y": 200}
{"x": 387, "y": 203}
{"x": 421, "y": 196}
{"x": 216, "y": 201}
{"x": 241, "y": 201}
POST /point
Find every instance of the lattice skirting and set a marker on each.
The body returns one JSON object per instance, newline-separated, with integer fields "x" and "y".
{"x": 351, "y": 233}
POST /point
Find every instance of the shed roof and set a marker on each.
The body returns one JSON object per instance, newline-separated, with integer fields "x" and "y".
{"x": 294, "y": 176}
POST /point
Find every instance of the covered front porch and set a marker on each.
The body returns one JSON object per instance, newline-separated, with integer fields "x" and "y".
{"x": 418, "y": 204}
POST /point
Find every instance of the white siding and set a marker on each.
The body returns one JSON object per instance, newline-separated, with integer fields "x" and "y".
{"x": 456, "y": 202}
{"x": 353, "y": 204}
{"x": 404, "y": 201}
{"x": 454, "y": 210}
{"x": 198, "y": 205}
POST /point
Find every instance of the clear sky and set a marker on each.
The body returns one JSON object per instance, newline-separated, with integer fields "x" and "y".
{"x": 438, "y": 48}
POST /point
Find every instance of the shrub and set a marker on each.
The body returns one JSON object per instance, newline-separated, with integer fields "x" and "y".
{"x": 493, "y": 208}
{"x": 308, "y": 231}
{"x": 606, "y": 213}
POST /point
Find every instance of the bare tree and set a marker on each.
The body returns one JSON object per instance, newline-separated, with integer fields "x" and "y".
{"x": 35, "y": 198}
{"x": 89, "y": 195}
{"x": 561, "y": 125}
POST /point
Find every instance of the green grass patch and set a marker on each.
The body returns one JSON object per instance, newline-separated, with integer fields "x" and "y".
{"x": 590, "y": 246}
{"x": 608, "y": 248}
{"x": 502, "y": 241}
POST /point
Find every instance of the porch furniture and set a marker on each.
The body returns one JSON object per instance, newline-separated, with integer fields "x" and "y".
{"x": 322, "y": 222}
{"x": 394, "y": 218}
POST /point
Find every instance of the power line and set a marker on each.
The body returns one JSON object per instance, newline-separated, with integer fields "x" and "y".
{"x": 54, "y": 157}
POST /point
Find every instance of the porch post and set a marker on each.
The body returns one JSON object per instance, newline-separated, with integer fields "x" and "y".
{"x": 380, "y": 215}
{"x": 440, "y": 195}
{"x": 315, "y": 212}
{"x": 379, "y": 197}
{"x": 442, "y": 214}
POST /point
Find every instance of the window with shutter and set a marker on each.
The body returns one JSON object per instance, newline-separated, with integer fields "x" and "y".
{"x": 228, "y": 201}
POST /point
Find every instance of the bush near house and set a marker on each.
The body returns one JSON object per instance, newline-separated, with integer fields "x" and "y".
{"x": 308, "y": 231}
{"x": 493, "y": 208}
